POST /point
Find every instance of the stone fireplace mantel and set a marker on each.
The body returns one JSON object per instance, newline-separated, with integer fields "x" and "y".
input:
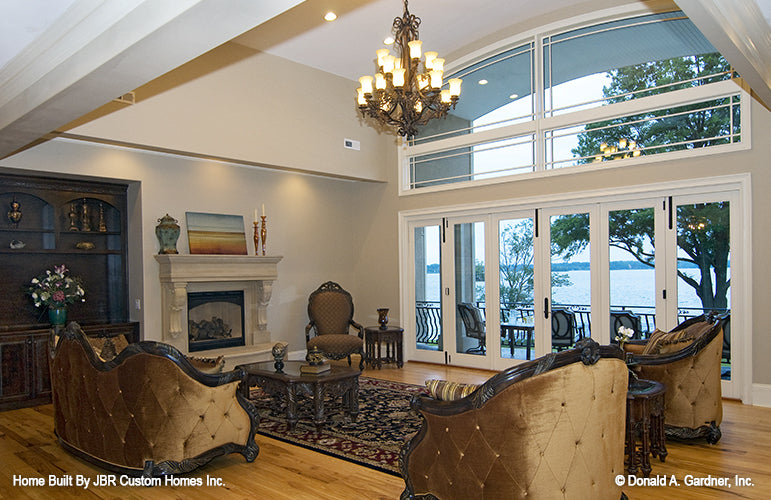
{"x": 180, "y": 274}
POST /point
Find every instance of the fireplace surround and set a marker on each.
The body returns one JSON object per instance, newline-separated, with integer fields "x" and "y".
{"x": 183, "y": 275}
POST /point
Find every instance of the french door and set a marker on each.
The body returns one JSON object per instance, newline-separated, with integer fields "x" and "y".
{"x": 494, "y": 288}
{"x": 450, "y": 309}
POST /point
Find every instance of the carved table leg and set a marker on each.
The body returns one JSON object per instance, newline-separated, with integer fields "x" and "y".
{"x": 645, "y": 446}
{"x": 291, "y": 406}
{"x": 353, "y": 400}
{"x": 318, "y": 406}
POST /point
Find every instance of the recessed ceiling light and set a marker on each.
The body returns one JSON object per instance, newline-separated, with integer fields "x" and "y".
{"x": 482, "y": 82}
{"x": 513, "y": 96}
{"x": 330, "y": 16}
{"x": 389, "y": 40}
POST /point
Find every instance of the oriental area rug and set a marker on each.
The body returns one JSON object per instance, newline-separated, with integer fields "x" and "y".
{"x": 385, "y": 421}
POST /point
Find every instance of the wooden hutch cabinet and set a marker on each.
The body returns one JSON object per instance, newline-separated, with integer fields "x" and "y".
{"x": 46, "y": 222}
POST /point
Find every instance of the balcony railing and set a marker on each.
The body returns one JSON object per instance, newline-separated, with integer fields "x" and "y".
{"x": 429, "y": 317}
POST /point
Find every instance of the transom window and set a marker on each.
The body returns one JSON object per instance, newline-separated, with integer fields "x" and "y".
{"x": 622, "y": 90}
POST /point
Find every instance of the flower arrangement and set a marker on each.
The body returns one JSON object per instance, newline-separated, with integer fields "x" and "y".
{"x": 624, "y": 334}
{"x": 55, "y": 289}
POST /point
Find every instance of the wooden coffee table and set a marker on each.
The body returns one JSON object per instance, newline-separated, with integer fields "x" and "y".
{"x": 340, "y": 380}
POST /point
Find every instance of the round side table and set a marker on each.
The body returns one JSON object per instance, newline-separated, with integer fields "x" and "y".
{"x": 644, "y": 419}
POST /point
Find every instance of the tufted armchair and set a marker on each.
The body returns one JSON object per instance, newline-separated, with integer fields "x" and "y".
{"x": 147, "y": 411}
{"x": 687, "y": 361}
{"x": 549, "y": 428}
{"x": 330, "y": 311}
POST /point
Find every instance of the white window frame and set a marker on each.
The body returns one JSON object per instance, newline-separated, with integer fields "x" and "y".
{"x": 540, "y": 125}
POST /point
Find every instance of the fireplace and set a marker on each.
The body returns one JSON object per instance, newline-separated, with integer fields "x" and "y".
{"x": 215, "y": 320}
{"x": 217, "y": 304}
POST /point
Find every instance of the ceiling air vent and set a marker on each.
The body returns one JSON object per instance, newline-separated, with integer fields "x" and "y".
{"x": 127, "y": 98}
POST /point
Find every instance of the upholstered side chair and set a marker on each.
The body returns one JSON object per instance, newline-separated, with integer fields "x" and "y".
{"x": 330, "y": 311}
{"x": 147, "y": 411}
{"x": 687, "y": 361}
{"x": 549, "y": 428}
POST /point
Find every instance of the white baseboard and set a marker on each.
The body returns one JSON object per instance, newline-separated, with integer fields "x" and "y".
{"x": 761, "y": 395}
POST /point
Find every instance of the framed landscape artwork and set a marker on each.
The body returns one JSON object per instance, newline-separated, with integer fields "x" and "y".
{"x": 215, "y": 233}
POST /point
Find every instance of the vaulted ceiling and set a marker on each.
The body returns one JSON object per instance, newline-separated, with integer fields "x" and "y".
{"x": 58, "y": 66}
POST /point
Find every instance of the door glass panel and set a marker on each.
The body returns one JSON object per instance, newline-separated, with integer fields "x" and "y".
{"x": 515, "y": 241}
{"x": 470, "y": 322}
{"x": 704, "y": 265}
{"x": 428, "y": 288}
{"x": 570, "y": 279}
{"x": 632, "y": 273}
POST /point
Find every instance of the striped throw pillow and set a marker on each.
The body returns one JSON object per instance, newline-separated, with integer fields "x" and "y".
{"x": 444, "y": 390}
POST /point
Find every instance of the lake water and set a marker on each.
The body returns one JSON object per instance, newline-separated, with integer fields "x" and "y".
{"x": 628, "y": 287}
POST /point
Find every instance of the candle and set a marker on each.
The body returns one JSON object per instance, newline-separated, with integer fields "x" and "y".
{"x": 255, "y": 215}
{"x": 263, "y": 209}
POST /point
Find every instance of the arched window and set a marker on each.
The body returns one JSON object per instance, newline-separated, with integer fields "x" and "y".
{"x": 627, "y": 90}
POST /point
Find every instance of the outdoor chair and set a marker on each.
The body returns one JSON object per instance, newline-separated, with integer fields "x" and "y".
{"x": 548, "y": 428}
{"x": 330, "y": 311}
{"x": 627, "y": 320}
{"x": 474, "y": 325}
{"x": 563, "y": 332}
{"x": 687, "y": 361}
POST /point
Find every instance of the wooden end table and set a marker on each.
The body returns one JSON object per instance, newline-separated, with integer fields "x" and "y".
{"x": 340, "y": 380}
{"x": 644, "y": 419}
{"x": 393, "y": 337}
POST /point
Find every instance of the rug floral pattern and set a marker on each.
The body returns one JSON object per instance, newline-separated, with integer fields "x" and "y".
{"x": 385, "y": 421}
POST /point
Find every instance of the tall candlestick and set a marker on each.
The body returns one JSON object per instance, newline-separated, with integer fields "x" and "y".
{"x": 263, "y": 232}
{"x": 256, "y": 237}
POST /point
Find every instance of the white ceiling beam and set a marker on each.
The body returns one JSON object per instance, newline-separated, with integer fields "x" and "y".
{"x": 739, "y": 31}
{"x": 101, "y": 49}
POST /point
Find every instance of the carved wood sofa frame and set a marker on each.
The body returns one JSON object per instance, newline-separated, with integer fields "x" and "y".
{"x": 464, "y": 420}
{"x": 112, "y": 413}
{"x": 667, "y": 368}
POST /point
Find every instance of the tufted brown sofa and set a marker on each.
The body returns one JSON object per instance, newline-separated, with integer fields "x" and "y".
{"x": 147, "y": 411}
{"x": 690, "y": 369}
{"x": 549, "y": 428}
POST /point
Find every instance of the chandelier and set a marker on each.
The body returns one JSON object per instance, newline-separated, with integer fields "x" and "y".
{"x": 626, "y": 148}
{"x": 407, "y": 92}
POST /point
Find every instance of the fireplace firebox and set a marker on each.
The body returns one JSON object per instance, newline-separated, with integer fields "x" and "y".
{"x": 215, "y": 320}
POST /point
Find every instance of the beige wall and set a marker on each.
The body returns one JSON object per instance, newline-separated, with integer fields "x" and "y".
{"x": 313, "y": 222}
{"x": 240, "y": 104}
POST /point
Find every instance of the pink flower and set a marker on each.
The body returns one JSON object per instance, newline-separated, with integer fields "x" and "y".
{"x": 58, "y": 296}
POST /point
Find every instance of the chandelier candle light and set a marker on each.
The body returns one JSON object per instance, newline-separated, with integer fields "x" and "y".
{"x": 407, "y": 92}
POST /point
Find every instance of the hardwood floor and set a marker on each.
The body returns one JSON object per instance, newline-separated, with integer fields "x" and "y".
{"x": 28, "y": 449}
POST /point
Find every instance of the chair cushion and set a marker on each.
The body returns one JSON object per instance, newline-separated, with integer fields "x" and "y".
{"x": 337, "y": 344}
{"x": 444, "y": 390}
{"x": 211, "y": 366}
